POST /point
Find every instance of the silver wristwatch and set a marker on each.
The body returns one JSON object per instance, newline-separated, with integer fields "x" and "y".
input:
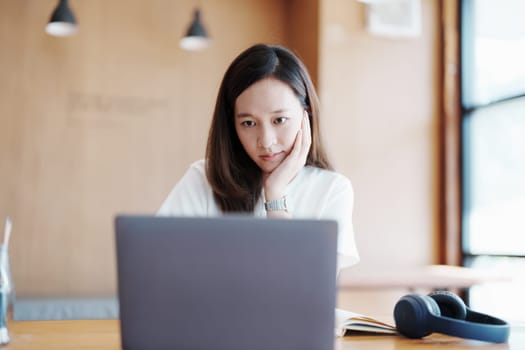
{"x": 276, "y": 204}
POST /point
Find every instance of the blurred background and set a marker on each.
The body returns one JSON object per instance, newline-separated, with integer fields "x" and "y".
{"x": 107, "y": 120}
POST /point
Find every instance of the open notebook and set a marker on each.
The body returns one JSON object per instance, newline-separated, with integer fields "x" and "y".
{"x": 347, "y": 323}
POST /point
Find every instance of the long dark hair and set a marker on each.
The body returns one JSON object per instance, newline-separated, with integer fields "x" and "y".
{"x": 235, "y": 179}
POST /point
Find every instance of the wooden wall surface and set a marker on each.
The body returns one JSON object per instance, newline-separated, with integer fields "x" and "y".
{"x": 107, "y": 121}
{"x": 380, "y": 99}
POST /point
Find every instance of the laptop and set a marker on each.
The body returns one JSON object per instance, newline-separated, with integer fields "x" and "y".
{"x": 229, "y": 283}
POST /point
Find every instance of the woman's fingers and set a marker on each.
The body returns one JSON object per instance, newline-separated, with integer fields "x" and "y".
{"x": 295, "y": 160}
{"x": 306, "y": 138}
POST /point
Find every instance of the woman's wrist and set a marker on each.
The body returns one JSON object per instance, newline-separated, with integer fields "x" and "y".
{"x": 272, "y": 193}
{"x": 275, "y": 203}
{"x": 277, "y": 208}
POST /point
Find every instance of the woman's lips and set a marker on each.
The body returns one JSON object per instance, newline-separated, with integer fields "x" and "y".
{"x": 270, "y": 157}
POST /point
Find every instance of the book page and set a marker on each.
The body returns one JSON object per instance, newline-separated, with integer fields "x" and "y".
{"x": 350, "y": 321}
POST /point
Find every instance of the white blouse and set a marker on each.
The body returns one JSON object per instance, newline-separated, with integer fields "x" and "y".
{"x": 314, "y": 193}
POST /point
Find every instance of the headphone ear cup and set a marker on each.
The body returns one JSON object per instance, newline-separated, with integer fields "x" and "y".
{"x": 450, "y": 305}
{"x": 413, "y": 315}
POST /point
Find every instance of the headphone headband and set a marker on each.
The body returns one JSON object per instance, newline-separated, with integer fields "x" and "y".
{"x": 476, "y": 326}
{"x": 417, "y": 316}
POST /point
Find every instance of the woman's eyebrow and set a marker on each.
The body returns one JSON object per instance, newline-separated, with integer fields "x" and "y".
{"x": 244, "y": 115}
{"x": 281, "y": 110}
{"x": 277, "y": 111}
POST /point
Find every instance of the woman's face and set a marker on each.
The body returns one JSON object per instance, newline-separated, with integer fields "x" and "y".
{"x": 268, "y": 116}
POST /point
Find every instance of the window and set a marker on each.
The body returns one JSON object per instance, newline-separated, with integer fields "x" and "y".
{"x": 493, "y": 150}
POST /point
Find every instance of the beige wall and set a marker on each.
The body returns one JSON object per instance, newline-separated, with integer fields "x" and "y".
{"x": 380, "y": 104}
{"x": 106, "y": 122}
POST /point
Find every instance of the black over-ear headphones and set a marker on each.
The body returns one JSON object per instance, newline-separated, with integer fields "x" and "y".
{"x": 443, "y": 312}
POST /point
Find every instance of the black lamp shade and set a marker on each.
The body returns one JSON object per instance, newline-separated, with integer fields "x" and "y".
{"x": 62, "y": 21}
{"x": 196, "y": 37}
{"x": 196, "y": 28}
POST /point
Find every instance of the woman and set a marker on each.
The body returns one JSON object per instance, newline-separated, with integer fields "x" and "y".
{"x": 264, "y": 154}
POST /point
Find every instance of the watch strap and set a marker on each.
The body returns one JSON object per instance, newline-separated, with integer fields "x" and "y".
{"x": 276, "y": 204}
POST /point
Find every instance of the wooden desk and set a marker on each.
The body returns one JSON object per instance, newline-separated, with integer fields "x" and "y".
{"x": 104, "y": 335}
{"x": 411, "y": 278}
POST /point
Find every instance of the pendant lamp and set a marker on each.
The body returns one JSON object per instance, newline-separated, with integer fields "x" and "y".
{"x": 196, "y": 37}
{"x": 62, "y": 21}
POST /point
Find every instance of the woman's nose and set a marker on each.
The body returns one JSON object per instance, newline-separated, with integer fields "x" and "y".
{"x": 266, "y": 138}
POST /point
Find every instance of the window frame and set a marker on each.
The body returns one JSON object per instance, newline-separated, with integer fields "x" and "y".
{"x": 452, "y": 200}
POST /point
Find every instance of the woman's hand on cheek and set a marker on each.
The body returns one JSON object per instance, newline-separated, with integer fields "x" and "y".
{"x": 275, "y": 183}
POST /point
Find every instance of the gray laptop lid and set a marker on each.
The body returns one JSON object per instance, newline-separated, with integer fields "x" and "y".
{"x": 226, "y": 283}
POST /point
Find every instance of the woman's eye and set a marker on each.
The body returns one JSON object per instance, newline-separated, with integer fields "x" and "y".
{"x": 280, "y": 120}
{"x": 248, "y": 123}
